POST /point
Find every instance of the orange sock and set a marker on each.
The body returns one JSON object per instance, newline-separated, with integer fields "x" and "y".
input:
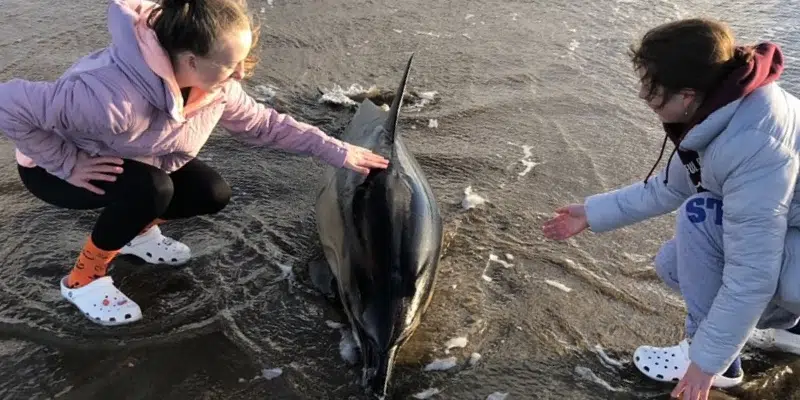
{"x": 158, "y": 221}
{"x": 92, "y": 264}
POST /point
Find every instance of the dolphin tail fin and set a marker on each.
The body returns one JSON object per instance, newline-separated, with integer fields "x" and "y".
{"x": 394, "y": 112}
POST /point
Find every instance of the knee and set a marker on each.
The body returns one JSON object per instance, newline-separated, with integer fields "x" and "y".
{"x": 666, "y": 264}
{"x": 158, "y": 189}
{"x": 219, "y": 196}
{"x": 700, "y": 208}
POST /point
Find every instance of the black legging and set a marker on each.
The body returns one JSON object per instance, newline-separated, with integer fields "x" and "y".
{"x": 140, "y": 194}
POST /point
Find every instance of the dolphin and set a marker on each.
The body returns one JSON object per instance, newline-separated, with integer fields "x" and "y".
{"x": 381, "y": 236}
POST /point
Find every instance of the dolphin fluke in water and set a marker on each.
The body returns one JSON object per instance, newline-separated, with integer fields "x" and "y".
{"x": 382, "y": 237}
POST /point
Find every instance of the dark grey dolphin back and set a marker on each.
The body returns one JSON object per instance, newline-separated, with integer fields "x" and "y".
{"x": 382, "y": 234}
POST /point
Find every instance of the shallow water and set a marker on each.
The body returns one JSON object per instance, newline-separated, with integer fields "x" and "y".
{"x": 547, "y": 77}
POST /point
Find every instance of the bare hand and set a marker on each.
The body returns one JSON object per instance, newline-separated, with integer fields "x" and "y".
{"x": 89, "y": 168}
{"x": 694, "y": 385}
{"x": 361, "y": 160}
{"x": 570, "y": 221}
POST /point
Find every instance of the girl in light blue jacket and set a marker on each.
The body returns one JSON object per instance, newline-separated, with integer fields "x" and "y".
{"x": 732, "y": 177}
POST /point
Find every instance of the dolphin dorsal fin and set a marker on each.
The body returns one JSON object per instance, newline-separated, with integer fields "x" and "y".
{"x": 394, "y": 113}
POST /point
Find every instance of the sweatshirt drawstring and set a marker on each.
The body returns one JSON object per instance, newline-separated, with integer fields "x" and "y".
{"x": 660, "y": 155}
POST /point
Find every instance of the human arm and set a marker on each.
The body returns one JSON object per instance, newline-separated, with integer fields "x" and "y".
{"x": 32, "y": 112}
{"x": 638, "y": 202}
{"x": 254, "y": 123}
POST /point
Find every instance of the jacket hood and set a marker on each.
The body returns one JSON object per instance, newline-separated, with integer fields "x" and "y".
{"x": 123, "y": 16}
{"x": 765, "y": 67}
{"x": 720, "y": 104}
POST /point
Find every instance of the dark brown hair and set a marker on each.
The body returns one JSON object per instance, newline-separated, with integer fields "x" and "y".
{"x": 686, "y": 54}
{"x": 195, "y": 26}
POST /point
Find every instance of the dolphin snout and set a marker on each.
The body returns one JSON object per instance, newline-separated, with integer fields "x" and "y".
{"x": 378, "y": 364}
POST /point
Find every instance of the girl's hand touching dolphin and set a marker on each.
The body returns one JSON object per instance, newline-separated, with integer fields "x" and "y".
{"x": 362, "y": 160}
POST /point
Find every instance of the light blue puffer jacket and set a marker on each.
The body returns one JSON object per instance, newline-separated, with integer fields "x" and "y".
{"x": 749, "y": 156}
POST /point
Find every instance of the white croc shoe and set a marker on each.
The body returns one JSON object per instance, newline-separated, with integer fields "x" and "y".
{"x": 775, "y": 339}
{"x": 102, "y": 302}
{"x": 669, "y": 364}
{"x": 155, "y": 248}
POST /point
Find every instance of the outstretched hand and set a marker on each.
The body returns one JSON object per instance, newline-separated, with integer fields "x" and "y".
{"x": 89, "y": 169}
{"x": 362, "y": 160}
{"x": 570, "y": 221}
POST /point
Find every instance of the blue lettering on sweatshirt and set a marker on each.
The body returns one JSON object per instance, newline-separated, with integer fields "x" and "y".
{"x": 698, "y": 208}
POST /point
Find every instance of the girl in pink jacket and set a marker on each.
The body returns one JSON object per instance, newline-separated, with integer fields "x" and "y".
{"x": 120, "y": 131}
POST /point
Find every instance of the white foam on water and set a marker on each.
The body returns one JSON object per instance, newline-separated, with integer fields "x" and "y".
{"x": 458, "y": 342}
{"x": 339, "y": 95}
{"x": 495, "y": 258}
{"x": 398, "y": 30}
{"x": 509, "y": 257}
{"x": 427, "y": 393}
{"x": 433, "y": 34}
{"x": 342, "y": 96}
{"x": 469, "y": 16}
{"x": 286, "y": 273}
{"x": 471, "y": 200}
{"x": 474, "y": 358}
{"x": 273, "y": 373}
{"x": 526, "y": 159}
{"x": 558, "y": 285}
{"x": 264, "y": 93}
{"x": 589, "y": 375}
{"x": 334, "y": 324}
{"x": 429, "y": 96}
{"x": 424, "y": 99}
{"x": 63, "y": 392}
{"x": 433, "y": 123}
{"x": 441, "y": 364}
{"x": 637, "y": 258}
{"x": 497, "y": 396}
{"x": 605, "y": 358}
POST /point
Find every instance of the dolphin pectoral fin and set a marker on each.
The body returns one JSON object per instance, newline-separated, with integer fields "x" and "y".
{"x": 322, "y": 278}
